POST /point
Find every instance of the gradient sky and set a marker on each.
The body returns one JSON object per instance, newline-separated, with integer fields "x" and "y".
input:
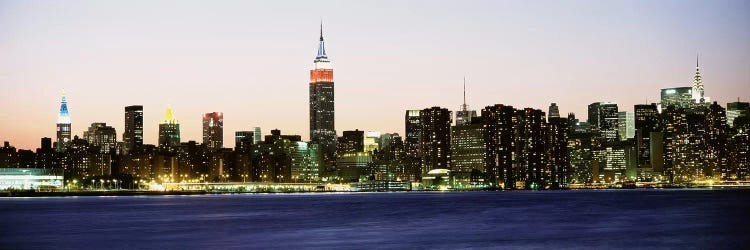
{"x": 251, "y": 60}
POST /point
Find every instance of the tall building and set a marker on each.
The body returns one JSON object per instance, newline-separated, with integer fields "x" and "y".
{"x": 467, "y": 147}
{"x": 532, "y": 140}
{"x": 557, "y": 145}
{"x": 554, "y": 111}
{"x": 646, "y": 122}
{"x": 102, "y": 136}
{"x": 716, "y": 138}
{"x": 737, "y": 109}
{"x": 169, "y": 130}
{"x": 435, "y": 141}
{"x": 213, "y": 130}
{"x": 133, "y": 135}
{"x": 501, "y": 152}
{"x": 412, "y": 129}
{"x": 603, "y": 118}
{"x": 465, "y": 115}
{"x": 63, "y": 126}
{"x": 625, "y": 125}
{"x": 322, "y": 129}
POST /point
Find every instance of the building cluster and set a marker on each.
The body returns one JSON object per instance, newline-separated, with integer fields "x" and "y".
{"x": 683, "y": 139}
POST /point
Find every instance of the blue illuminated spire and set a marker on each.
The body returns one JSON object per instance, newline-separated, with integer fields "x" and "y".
{"x": 322, "y": 46}
{"x": 63, "y": 116}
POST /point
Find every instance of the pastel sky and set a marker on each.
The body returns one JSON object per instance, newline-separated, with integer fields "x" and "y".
{"x": 251, "y": 60}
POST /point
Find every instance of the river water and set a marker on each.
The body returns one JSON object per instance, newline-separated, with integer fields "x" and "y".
{"x": 573, "y": 219}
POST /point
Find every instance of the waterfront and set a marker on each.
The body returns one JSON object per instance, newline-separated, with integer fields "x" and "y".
{"x": 678, "y": 218}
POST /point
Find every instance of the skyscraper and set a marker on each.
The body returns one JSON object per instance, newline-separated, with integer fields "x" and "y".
{"x": 63, "y": 126}
{"x": 603, "y": 118}
{"x": 435, "y": 141}
{"x": 322, "y": 129}
{"x": 646, "y": 122}
{"x": 501, "y": 153}
{"x": 412, "y": 129}
{"x": 625, "y": 125}
{"x": 169, "y": 130}
{"x": 213, "y": 130}
{"x": 465, "y": 115}
{"x": 133, "y": 135}
{"x": 102, "y": 136}
{"x": 554, "y": 111}
{"x": 557, "y": 144}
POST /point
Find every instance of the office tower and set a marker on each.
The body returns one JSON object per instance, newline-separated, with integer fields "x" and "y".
{"x": 465, "y": 115}
{"x": 554, "y": 111}
{"x": 532, "y": 140}
{"x": 102, "y": 136}
{"x": 557, "y": 145}
{"x": 412, "y": 129}
{"x": 740, "y": 156}
{"x": 133, "y": 135}
{"x": 625, "y": 125}
{"x": 737, "y": 109}
{"x": 680, "y": 97}
{"x": 603, "y": 118}
{"x": 322, "y": 129}
{"x": 63, "y": 126}
{"x": 676, "y": 144}
{"x": 467, "y": 146}
{"x": 169, "y": 131}
{"x": 243, "y": 140}
{"x": 351, "y": 142}
{"x": 257, "y": 135}
{"x": 213, "y": 130}
{"x": 646, "y": 121}
{"x": 306, "y": 162}
{"x": 716, "y": 138}
{"x": 500, "y": 125}
{"x": 697, "y": 90}
{"x": 435, "y": 141}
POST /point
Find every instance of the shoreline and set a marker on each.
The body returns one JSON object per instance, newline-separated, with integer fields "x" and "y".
{"x": 21, "y": 194}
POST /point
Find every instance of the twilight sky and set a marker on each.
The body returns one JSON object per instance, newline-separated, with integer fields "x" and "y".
{"x": 251, "y": 60}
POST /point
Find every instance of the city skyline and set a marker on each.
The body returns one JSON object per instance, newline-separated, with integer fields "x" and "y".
{"x": 377, "y": 106}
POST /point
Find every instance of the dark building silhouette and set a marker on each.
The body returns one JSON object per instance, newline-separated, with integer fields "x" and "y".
{"x": 351, "y": 142}
{"x": 558, "y": 157}
{"x": 500, "y": 125}
{"x": 435, "y": 141}
{"x": 133, "y": 135}
{"x": 213, "y": 130}
{"x": 412, "y": 156}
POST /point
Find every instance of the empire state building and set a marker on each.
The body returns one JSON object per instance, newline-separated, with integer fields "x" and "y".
{"x": 322, "y": 130}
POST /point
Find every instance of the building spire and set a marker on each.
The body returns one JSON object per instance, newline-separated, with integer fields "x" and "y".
{"x": 64, "y": 115}
{"x": 698, "y": 83}
{"x": 168, "y": 117}
{"x": 464, "y": 107}
{"x": 322, "y": 45}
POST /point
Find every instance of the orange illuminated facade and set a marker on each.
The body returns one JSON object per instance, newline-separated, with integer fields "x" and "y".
{"x": 321, "y": 75}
